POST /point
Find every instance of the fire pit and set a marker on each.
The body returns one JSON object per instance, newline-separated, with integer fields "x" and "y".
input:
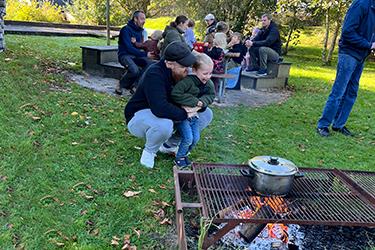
{"x": 323, "y": 197}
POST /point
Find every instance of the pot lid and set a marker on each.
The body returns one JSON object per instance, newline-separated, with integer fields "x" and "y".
{"x": 273, "y": 165}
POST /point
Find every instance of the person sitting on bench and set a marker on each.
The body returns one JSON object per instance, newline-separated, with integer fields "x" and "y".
{"x": 129, "y": 55}
{"x": 265, "y": 47}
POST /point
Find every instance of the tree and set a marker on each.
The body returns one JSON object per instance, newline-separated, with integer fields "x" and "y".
{"x": 333, "y": 13}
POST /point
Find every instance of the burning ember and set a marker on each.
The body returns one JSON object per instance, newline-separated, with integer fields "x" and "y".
{"x": 273, "y": 236}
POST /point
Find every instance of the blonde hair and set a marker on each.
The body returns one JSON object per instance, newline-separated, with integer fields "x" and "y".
{"x": 220, "y": 40}
{"x": 157, "y": 35}
{"x": 202, "y": 59}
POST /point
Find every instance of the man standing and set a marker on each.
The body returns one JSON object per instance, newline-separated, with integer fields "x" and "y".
{"x": 2, "y": 14}
{"x": 357, "y": 40}
{"x": 150, "y": 112}
{"x": 266, "y": 46}
{"x": 128, "y": 55}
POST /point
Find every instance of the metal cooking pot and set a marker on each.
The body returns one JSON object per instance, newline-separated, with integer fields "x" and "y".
{"x": 270, "y": 175}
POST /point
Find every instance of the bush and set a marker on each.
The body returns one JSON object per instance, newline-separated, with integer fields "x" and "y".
{"x": 43, "y": 11}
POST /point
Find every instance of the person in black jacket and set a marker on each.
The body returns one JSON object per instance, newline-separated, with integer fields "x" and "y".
{"x": 150, "y": 113}
{"x": 356, "y": 42}
{"x": 265, "y": 47}
{"x": 129, "y": 55}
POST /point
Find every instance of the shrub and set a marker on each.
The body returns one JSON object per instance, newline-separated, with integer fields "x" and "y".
{"x": 33, "y": 10}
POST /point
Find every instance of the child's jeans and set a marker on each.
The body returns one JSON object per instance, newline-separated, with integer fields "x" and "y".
{"x": 189, "y": 131}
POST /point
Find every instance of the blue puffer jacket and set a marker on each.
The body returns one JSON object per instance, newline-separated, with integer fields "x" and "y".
{"x": 125, "y": 47}
{"x": 358, "y": 31}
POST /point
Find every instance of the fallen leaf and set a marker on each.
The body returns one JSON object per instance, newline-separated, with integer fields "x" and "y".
{"x": 75, "y": 143}
{"x": 166, "y": 221}
{"x": 36, "y": 118}
{"x": 128, "y": 194}
{"x": 163, "y": 204}
{"x": 138, "y": 148}
{"x": 83, "y": 212}
{"x": 7, "y": 59}
{"x": 159, "y": 214}
{"x": 94, "y": 232}
{"x": 151, "y": 190}
{"x": 74, "y": 113}
{"x": 114, "y": 243}
{"x": 3, "y": 178}
{"x": 137, "y": 232}
{"x": 163, "y": 186}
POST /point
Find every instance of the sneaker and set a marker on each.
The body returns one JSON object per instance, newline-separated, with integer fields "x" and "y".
{"x": 262, "y": 72}
{"x": 324, "y": 132}
{"x": 147, "y": 159}
{"x": 344, "y": 130}
{"x": 182, "y": 162}
{"x": 251, "y": 69}
{"x": 166, "y": 149}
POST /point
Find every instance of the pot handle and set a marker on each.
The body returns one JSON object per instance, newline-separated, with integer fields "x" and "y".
{"x": 299, "y": 175}
{"x": 247, "y": 173}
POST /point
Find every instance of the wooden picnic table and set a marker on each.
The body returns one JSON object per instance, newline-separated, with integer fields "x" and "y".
{"x": 222, "y": 82}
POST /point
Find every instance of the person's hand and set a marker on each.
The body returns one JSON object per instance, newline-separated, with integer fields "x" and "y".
{"x": 373, "y": 45}
{"x": 191, "y": 109}
{"x": 151, "y": 55}
{"x": 200, "y": 104}
{"x": 248, "y": 43}
{"x": 133, "y": 40}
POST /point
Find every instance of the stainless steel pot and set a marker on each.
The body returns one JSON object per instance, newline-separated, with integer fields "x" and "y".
{"x": 271, "y": 175}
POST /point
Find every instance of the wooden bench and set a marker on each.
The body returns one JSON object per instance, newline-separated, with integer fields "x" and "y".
{"x": 277, "y": 77}
{"x": 102, "y": 61}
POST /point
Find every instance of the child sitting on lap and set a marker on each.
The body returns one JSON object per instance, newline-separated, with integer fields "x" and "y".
{"x": 195, "y": 90}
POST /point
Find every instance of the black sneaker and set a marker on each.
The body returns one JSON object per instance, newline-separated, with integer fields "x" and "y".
{"x": 344, "y": 130}
{"x": 262, "y": 72}
{"x": 182, "y": 162}
{"x": 324, "y": 132}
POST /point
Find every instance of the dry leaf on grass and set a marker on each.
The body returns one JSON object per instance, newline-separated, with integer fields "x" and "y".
{"x": 151, "y": 190}
{"x": 74, "y": 113}
{"x": 128, "y": 194}
{"x": 166, "y": 221}
{"x": 159, "y": 214}
{"x": 162, "y": 204}
{"x": 115, "y": 241}
{"x": 137, "y": 232}
{"x": 162, "y": 186}
{"x": 138, "y": 148}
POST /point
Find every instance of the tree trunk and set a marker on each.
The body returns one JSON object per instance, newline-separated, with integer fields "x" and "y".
{"x": 289, "y": 38}
{"x": 333, "y": 42}
{"x": 326, "y": 37}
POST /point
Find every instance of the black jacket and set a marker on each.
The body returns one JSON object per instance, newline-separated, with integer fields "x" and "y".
{"x": 358, "y": 31}
{"x": 125, "y": 46}
{"x": 154, "y": 92}
{"x": 269, "y": 37}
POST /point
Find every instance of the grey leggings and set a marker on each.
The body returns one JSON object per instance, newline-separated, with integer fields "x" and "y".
{"x": 157, "y": 130}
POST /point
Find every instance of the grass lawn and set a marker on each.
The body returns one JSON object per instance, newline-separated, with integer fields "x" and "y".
{"x": 66, "y": 158}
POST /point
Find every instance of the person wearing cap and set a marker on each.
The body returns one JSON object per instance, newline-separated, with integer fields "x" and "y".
{"x": 150, "y": 113}
{"x": 129, "y": 55}
{"x": 211, "y": 23}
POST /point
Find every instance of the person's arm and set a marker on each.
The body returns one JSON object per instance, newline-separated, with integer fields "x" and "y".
{"x": 180, "y": 93}
{"x": 353, "y": 18}
{"x": 126, "y": 39}
{"x": 272, "y": 37}
{"x": 209, "y": 97}
{"x": 157, "y": 98}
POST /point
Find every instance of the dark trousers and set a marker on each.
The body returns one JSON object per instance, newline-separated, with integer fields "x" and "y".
{"x": 133, "y": 65}
{"x": 259, "y": 56}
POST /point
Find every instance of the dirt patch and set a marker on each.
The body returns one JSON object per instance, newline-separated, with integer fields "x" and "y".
{"x": 243, "y": 97}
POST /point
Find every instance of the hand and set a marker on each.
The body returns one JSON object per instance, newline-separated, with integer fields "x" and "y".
{"x": 151, "y": 55}
{"x": 200, "y": 104}
{"x": 373, "y": 45}
{"x": 133, "y": 40}
{"x": 248, "y": 43}
{"x": 191, "y": 109}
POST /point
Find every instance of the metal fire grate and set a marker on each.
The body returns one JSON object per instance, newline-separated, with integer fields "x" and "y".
{"x": 324, "y": 197}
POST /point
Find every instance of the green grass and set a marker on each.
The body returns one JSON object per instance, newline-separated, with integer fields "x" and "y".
{"x": 43, "y": 160}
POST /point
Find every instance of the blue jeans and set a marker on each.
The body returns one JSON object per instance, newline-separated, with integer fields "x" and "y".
{"x": 343, "y": 94}
{"x": 189, "y": 131}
